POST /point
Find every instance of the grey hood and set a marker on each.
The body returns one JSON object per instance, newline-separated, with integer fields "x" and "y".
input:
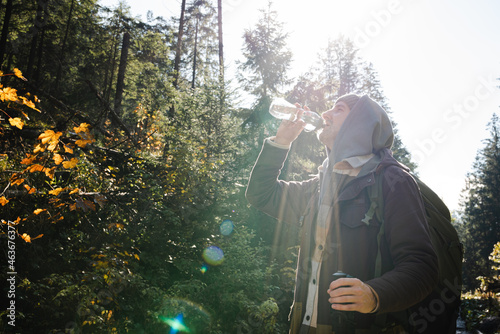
{"x": 367, "y": 129}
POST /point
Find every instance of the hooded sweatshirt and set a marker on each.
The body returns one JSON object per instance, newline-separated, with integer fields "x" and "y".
{"x": 331, "y": 208}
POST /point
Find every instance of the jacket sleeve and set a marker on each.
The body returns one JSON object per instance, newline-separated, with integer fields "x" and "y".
{"x": 282, "y": 200}
{"x": 415, "y": 265}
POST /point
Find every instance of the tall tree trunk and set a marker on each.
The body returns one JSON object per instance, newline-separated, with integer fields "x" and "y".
{"x": 177, "y": 61}
{"x": 195, "y": 52}
{"x": 39, "y": 63}
{"x": 39, "y": 22}
{"x": 63, "y": 47}
{"x": 5, "y": 30}
{"x": 178, "y": 50}
{"x": 121, "y": 73}
{"x": 221, "y": 45}
{"x": 108, "y": 83}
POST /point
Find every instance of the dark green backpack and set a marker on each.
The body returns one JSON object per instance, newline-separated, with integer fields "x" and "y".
{"x": 438, "y": 312}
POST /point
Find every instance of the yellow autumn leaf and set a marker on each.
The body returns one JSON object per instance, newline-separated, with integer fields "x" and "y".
{"x": 30, "y": 104}
{"x": 74, "y": 191}
{"x": 53, "y": 145}
{"x": 30, "y": 190}
{"x": 3, "y": 200}
{"x": 70, "y": 164}
{"x": 28, "y": 160}
{"x": 19, "y": 74}
{"x": 50, "y": 137}
{"x": 46, "y": 136}
{"x": 84, "y": 127}
{"x": 57, "y": 158}
{"x": 26, "y": 237}
{"x": 39, "y": 148}
{"x": 49, "y": 172}
{"x": 38, "y": 211}
{"x": 36, "y": 168}
{"x": 56, "y": 191}
{"x": 67, "y": 149}
{"x": 83, "y": 142}
{"x": 17, "y": 182}
{"x": 8, "y": 94}
{"x": 17, "y": 122}
{"x": 137, "y": 257}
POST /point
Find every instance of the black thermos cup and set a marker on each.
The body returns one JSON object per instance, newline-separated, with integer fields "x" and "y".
{"x": 342, "y": 321}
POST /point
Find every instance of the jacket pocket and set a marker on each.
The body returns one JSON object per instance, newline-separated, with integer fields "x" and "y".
{"x": 353, "y": 214}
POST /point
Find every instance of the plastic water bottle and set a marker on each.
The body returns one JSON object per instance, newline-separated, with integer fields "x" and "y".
{"x": 282, "y": 109}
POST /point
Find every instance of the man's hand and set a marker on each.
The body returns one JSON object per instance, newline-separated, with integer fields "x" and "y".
{"x": 357, "y": 294}
{"x": 288, "y": 131}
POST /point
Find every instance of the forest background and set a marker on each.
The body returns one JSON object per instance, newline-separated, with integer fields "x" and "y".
{"x": 125, "y": 151}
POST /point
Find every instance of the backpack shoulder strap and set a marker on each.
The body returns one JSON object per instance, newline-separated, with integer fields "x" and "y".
{"x": 376, "y": 199}
{"x": 376, "y": 209}
{"x": 377, "y": 203}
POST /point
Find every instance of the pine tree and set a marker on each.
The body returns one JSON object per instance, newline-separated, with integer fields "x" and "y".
{"x": 264, "y": 71}
{"x": 178, "y": 51}
{"x": 339, "y": 67}
{"x": 481, "y": 207}
{"x": 200, "y": 48}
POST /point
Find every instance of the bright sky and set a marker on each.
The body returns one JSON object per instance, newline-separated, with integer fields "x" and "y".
{"x": 438, "y": 62}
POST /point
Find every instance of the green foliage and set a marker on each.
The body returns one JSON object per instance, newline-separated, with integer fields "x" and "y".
{"x": 476, "y": 307}
{"x": 479, "y": 231}
{"x": 484, "y": 302}
{"x": 481, "y": 208}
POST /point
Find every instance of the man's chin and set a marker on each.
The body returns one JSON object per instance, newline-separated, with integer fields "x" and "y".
{"x": 322, "y": 136}
{"x": 325, "y": 137}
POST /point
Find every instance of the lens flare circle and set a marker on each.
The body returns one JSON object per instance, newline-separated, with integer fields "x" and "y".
{"x": 176, "y": 324}
{"x": 182, "y": 316}
{"x": 213, "y": 255}
{"x": 226, "y": 227}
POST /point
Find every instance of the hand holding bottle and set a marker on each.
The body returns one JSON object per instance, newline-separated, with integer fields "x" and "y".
{"x": 282, "y": 109}
{"x": 289, "y": 130}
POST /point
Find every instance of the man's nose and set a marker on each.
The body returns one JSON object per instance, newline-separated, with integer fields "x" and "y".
{"x": 327, "y": 115}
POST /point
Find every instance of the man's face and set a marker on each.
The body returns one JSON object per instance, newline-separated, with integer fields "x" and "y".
{"x": 333, "y": 118}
